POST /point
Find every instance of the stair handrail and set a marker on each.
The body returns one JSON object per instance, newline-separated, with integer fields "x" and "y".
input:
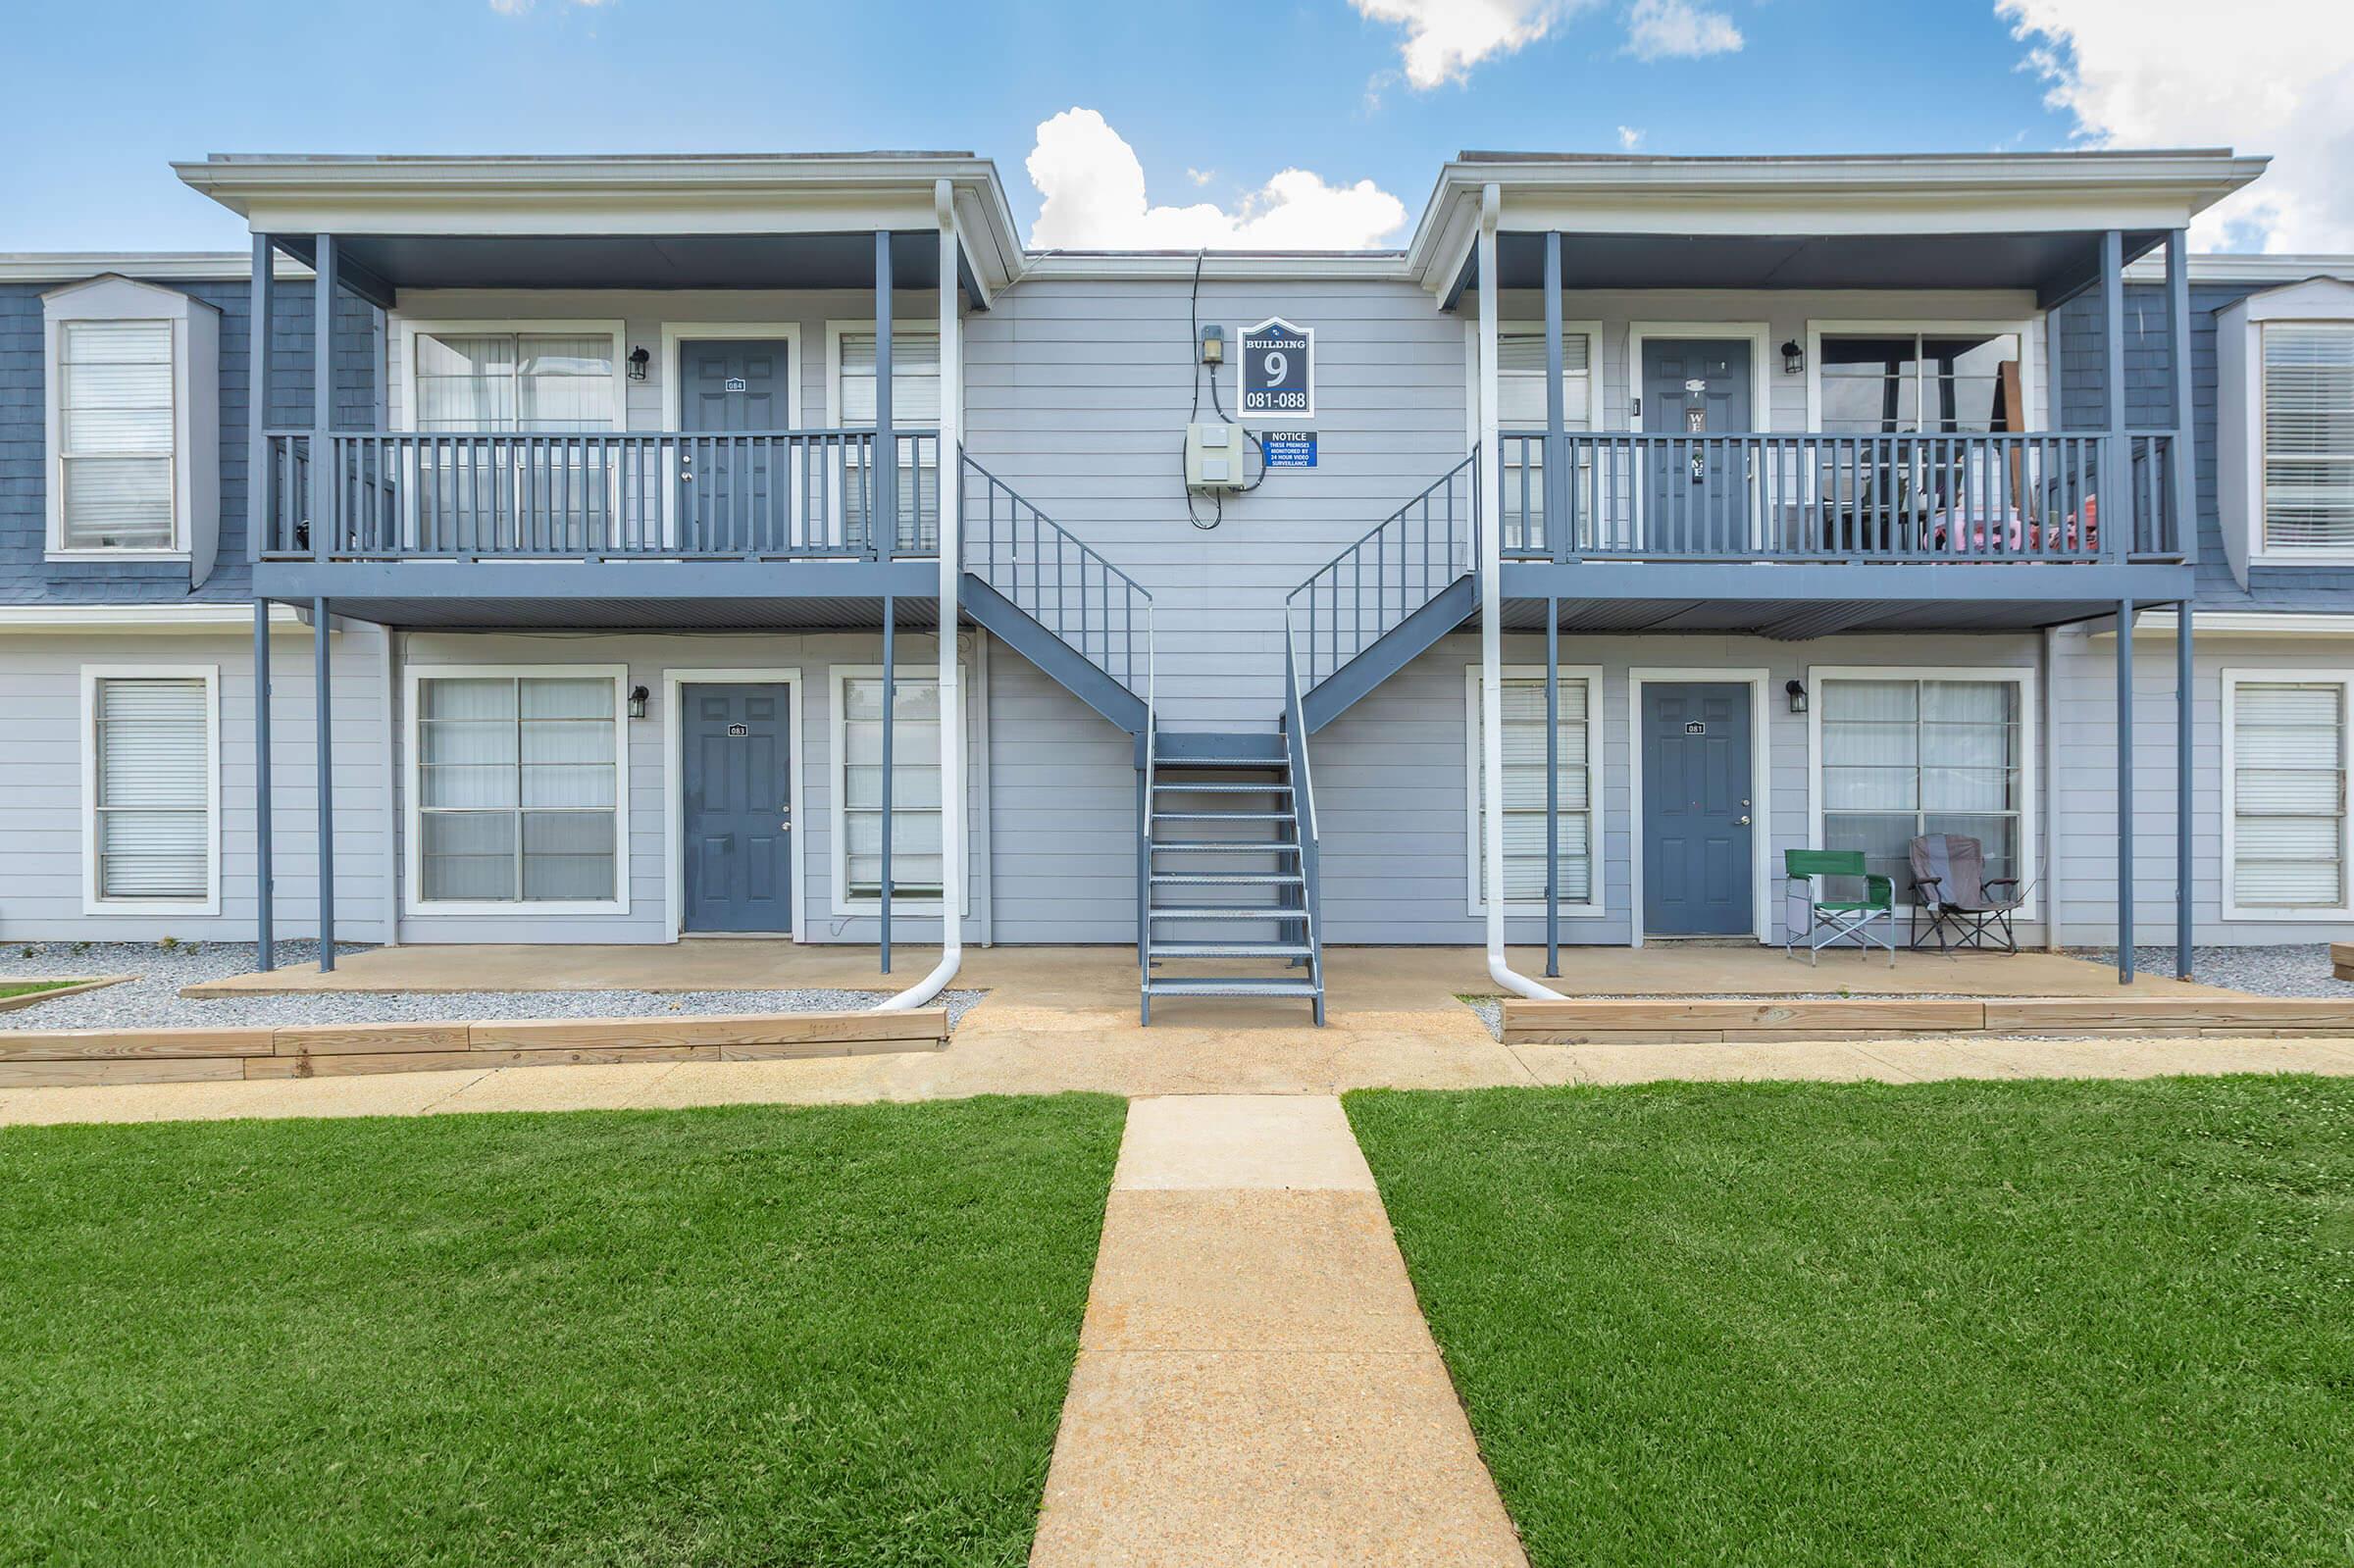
{"x": 1304, "y": 794}
{"x": 1455, "y": 495}
{"x": 1143, "y": 828}
{"x": 993, "y": 551}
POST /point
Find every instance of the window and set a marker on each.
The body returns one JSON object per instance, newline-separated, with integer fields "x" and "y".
{"x": 1523, "y": 703}
{"x": 150, "y": 770}
{"x": 1936, "y": 754}
{"x": 514, "y": 380}
{"x": 915, "y": 394}
{"x": 915, "y": 827}
{"x": 516, "y": 789}
{"x": 557, "y": 379}
{"x": 2308, "y": 436}
{"x": 130, "y": 404}
{"x": 2286, "y": 792}
{"x": 1944, "y": 382}
{"x": 1520, "y": 406}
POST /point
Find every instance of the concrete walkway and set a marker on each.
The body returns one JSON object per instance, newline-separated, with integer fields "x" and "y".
{"x": 1256, "y": 1383}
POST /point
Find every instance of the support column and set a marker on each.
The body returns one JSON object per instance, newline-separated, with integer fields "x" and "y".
{"x": 2124, "y": 792}
{"x": 891, "y": 704}
{"x": 885, "y": 524}
{"x": 323, "y": 394}
{"x": 2115, "y": 490}
{"x": 2183, "y": 801}
{"x": 1557, "y": 473}
{"x": 323, "y": 744}
{"x": 264, "y": 928}
{"x": 1553, "y": 775}
{"x": 2182, "y": 477}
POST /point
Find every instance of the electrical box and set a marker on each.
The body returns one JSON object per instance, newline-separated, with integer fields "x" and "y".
{"x": 1215, "y": 456}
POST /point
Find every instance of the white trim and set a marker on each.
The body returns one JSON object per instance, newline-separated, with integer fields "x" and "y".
{"x": 1595, "y": 906}
{"x": 837, "y": 330}
{"x": 2231, "y": 680}
{"x": 2207, "y": 624}
{"x": 1514, "y": 326}
{"x": 412, "y": 830}
{"x": 2023, "y": 676}
{"x": 91, "y": 903}
{"x": 678, "y": 334}
{"x": 837, "y": 828}
{"x": 2029, "y": 334}
{"x": 673, "y": 803}
{"x": 2323, "y": 302}
{"x": 157, "y": 266}
{"x": 405, "y": 368}
{"x": 45, "y": 619}
{"x": 1761, "y": 776}
{"x": 1758, "y": 336}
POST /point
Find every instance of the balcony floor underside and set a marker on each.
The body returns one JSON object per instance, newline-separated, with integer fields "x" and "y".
{"x": 698, "y": 595}
{"x": 1797, "y": 621}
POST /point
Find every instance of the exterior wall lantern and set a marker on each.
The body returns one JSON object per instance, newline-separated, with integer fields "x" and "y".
{"x": 1797, "y": 692}
{"x": 637, "y": 363}
{"x": 1794, "y": 358}
{"x": 638, "y": 694}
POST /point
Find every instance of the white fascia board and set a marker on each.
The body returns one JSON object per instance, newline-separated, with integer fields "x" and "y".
{"x": 2218, "y": 267}
{"x": 1377, "y": 266}
{"x": 161, "y": 265}
{"x": 2206, "y": 623}
{"x": 139, "y": 618}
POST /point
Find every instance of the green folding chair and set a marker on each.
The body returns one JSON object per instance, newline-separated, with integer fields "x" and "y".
{"x": 1818, "y": 922}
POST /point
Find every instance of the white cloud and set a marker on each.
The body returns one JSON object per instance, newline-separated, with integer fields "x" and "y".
{"x": 1669, "y": 29}
{"x": 1629, "y": 138}
{"x": 1446, "y": 38}
{"x": 1201, "y": 177}
{"x": 1093, "y": 190}
{"x": 2271, "y": 77}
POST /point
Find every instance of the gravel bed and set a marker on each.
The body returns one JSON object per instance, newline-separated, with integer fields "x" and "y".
{"x": 153, "y": 1000}
{"x": 2298, "y": 970}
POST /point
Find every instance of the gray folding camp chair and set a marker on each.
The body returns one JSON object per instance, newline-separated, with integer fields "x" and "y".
{"x": 1818, "y": 922}
{"x": 1952, "y": 888}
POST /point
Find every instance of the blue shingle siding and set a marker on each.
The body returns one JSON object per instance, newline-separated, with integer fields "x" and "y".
{"x": 2148, "y": 404}
{"x": 27, "y": 579}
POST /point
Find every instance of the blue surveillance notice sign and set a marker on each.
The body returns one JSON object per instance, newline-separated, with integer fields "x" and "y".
{"x": 1288, "y": 448}
{"x": 1277, "y": 370}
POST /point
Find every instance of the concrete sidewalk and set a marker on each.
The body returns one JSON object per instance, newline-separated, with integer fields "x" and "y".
{"x": 1256, "y": 1383}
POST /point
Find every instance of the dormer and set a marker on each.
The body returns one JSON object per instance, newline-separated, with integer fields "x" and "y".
{"x": 2284, "y": 426}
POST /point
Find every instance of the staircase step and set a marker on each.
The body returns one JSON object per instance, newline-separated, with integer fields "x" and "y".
{"x": 1226, "y": 789}
{"x": 1224, "y": 816}
{"x": 1227, "y": 879}
{"x": 1221, "y": 762}
{"x": 1157, "y": 951}
{"x": 1205, "y": 985}
{"x": 1248, "y": 913}
{"x": 1230, "y": 846}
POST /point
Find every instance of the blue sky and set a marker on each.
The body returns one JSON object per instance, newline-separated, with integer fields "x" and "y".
{"x": 1214, "y": 101}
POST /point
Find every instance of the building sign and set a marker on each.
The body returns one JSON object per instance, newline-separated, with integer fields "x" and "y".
{"x": 1288, "y": 448}
{"x": 1277, "y": 368}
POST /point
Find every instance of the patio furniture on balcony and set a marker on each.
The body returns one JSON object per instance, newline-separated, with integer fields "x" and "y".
{"x": 1821, "y": 922}
{"x": 1952, "y": 888}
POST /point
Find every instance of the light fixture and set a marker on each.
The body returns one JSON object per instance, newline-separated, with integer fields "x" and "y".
{"x": 1798, "y": 696}
{"x": 638, "y": 694}
{"x": 638, "y": 362}
{"x": 1794, "y": 358}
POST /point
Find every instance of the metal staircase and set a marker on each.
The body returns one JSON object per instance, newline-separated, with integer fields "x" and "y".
{"x": 1225, "y": 872}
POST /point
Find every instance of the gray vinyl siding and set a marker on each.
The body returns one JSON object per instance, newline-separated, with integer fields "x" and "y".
{"x": 25, "y": 578}
{"x": 42, "y": 849}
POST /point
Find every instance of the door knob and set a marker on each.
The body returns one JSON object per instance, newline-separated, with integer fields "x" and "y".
{"x": 1742, "y": 823}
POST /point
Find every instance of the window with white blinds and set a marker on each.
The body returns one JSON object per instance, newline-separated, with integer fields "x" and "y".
{"x": 1520, "y": 406}
{"x": 1906, "y": 758}
{"x": 151, "y": 759}
{"x": 2288, "y": 794}
{"x": 514, "y": 381}
{"x": 116, "y": 450}
{"x": 2308, "y": 469}
{"x": 516, "y": 789}
{"x": 916, "y": 866}
{"x": 914, "y": 406}
{"x": 1523, "y": 703}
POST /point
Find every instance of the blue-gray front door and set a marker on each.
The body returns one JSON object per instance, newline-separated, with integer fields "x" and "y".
{"x": 1696, "y": 811}
{"x": 735, "y": 788}
{"x": 732, "y": 498}
{"x": 1697, "y": 495}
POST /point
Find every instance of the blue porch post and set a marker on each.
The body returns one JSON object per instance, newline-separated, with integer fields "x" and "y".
{"x": 2124, "y": 792}
{"x": 1557, "y": 476}
{"x": 2116, "y": 473}
{"x": 323, "y": 718}
{"x": 885, "y": 518}
{"x": 890, "y": 703}
{"x": 1553, "y": 782}
{"x": 2183, "y": 683}
{"x": 2181, "y": 476}
{"x": 257, "y": 522}
{"x": 323, "y": 390}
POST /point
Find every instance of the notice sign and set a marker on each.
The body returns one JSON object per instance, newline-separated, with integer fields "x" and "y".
{"x": 1288, "y": 448}
{"x": 1277, "y": 368}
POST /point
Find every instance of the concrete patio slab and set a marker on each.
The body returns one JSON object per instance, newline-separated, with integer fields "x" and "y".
{"x": 1231, "y": 1141}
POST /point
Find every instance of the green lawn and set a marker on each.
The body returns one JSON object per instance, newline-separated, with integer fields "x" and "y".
{"x": 25, "y": 988}
{"x": 752, "y": 1336}
{"x": 1968, "y": 1323}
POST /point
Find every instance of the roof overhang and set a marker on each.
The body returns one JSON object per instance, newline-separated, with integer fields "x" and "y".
{"x": 1954, "y": 202}
{"x": 658, "y": 199}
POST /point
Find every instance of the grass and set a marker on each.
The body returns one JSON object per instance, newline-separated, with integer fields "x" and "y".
{"x": 2042, "y": 1322}
{"x": 749, "y": 1335}
{"x": 29, "y": 988}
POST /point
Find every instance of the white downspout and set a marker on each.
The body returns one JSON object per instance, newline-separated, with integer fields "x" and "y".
{"x": 952, "y": 690}
{"x": 1491, "y": 611}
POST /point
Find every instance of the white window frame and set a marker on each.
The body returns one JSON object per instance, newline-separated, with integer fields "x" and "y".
{"x": 2029, "y": 331}
{"x": 91, "y": 901}
{"x": 1508, "y": 327}
{"x": 2240, "y": 414}
{"x": 2232, "y": 680}
{"x": 2261, "y": 451}
{"x": 405, "y": 368}
{"x": 1761, "y": 785}
{"x": 2030, "y": 726}
{"x": 911, "y": 327}
{"x": 837, "y": 768}
{"x": 195, "y": 411}
{"x": 413, "y": 796}
{"x": 673, "y": 800}
{"x": 1595, "y": 905}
